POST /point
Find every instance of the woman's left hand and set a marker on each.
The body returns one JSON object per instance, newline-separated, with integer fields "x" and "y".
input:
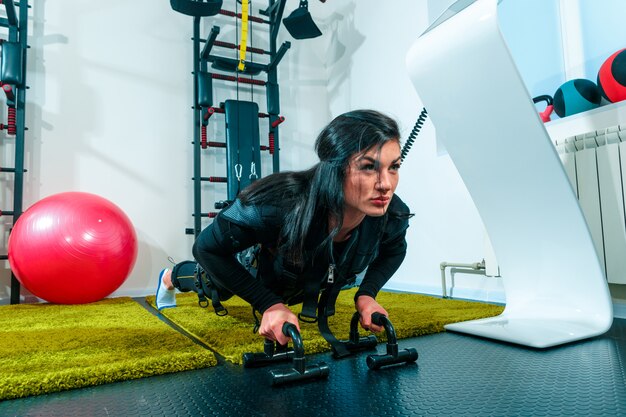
{"x": 366, "y": 305}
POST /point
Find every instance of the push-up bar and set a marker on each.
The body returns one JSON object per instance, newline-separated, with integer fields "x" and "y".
{"x": 274, "y": 353}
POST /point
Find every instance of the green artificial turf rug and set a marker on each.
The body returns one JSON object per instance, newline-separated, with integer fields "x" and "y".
{"x": 49, "y": 347}
{"x": 231, "y": 335}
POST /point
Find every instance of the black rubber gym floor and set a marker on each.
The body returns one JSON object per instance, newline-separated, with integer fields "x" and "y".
{"x": 455, "y": 375}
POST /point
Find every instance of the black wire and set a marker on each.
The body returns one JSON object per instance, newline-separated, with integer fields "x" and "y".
{"x": 413, "y": 135}
{"x": 257, "y": 323}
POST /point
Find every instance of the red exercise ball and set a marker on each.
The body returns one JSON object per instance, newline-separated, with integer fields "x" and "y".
{"x": 72, "y": 248}
{"x": 612, "y": 77}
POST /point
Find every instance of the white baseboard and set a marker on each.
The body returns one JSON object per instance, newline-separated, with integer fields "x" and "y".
{"x": 31, "y": 299}
{"x": 619, "y": 306}
{"x": 134, "y": 293}
{"x": 491, "y": 296}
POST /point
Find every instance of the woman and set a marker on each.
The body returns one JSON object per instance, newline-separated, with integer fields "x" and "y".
{"x": 316, "y": 229}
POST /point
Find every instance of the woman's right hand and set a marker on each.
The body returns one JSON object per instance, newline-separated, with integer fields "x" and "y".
{"x": 272, "y": 323}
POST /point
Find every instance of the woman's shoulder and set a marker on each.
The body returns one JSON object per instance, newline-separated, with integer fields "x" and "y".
{"x": 255, "y": 216}
{"x": 397, "y": 207}
{"x": 398, "y": 218}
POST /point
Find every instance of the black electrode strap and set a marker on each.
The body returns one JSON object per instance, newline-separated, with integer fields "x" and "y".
{"x": 220, "y": 310}
{"x": 202, "y": 300}
{"x": 202, "y": 292}
{"x": 331, "y": 299}
{"x": 206, "y": 289}
{"x": 257, "y": 322}
{"x": 338, "y": 347}
{"x": 310, "y": 297}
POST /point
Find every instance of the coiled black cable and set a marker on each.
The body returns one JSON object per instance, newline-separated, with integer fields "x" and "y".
{"x": 413, "y": 135}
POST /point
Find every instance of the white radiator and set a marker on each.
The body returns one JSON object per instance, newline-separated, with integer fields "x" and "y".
{"x": 595, "y": 163}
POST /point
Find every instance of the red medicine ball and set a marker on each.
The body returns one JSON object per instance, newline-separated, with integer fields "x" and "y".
{"x": 612, "y": 77}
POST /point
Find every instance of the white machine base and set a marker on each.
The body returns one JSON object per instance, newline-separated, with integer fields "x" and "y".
{"x": 533, "y": 332}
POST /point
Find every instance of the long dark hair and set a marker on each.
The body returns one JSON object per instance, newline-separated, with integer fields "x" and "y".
{"x": 318, "y": 191}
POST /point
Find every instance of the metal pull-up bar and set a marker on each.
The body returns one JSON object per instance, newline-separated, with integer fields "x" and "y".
{"x": 10, "y": 127}
{"x": 213, "y": 144}
{"x": 239, "y": 16}
{"x": 5, "y": 169}
{"x": 211, "y": 110}
{"x": 233, "y": 46}
{"x": 242, "y": 80}
{"x": 10, "y": 8}
{"x": 214, "y": 179}
{"x": 210, "y": 215}
{"x": 206, "y": 51}
{"x": 8, "y": 90}
{"x": 279, "y": 55}
{"x": 278, "y": 121}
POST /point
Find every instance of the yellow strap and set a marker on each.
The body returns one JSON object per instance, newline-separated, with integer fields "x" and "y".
{"x": 244, "y": 35}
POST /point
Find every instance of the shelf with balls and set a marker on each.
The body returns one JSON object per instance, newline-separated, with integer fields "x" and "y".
{"x": 585, "y": 106}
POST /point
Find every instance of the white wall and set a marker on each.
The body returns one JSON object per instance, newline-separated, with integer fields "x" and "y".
{"x": 371, "y": 73}
{"x": 532, "y": 29}
{"x": 602, "y": 31}
{"x": 109, "y": 112}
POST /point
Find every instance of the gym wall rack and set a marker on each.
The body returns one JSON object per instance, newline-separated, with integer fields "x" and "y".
{"x": 241, "y": 118}
{"x": 13, "y": 83}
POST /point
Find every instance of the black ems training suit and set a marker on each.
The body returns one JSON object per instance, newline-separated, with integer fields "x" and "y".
{"x": 377, "y": 244}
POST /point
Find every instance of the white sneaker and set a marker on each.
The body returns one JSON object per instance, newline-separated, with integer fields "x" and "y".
{"x": 165, "y": 298}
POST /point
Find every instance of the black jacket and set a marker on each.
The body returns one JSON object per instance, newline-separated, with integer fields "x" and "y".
{"x": 377, "y": 244}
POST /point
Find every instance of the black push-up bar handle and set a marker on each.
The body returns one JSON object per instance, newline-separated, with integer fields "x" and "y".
{"x": 382, "y": 320}
{"x": 357, "y": 343}
{"x": 393, "y": 356}
{"x": 272, "y": 353}
{"x": 269, "y": 355}
{"x": 300, "y": 371}
{"x": 290, "y": 329}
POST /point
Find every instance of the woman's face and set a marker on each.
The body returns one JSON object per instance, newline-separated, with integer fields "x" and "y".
{"x": 371, "y": 180}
